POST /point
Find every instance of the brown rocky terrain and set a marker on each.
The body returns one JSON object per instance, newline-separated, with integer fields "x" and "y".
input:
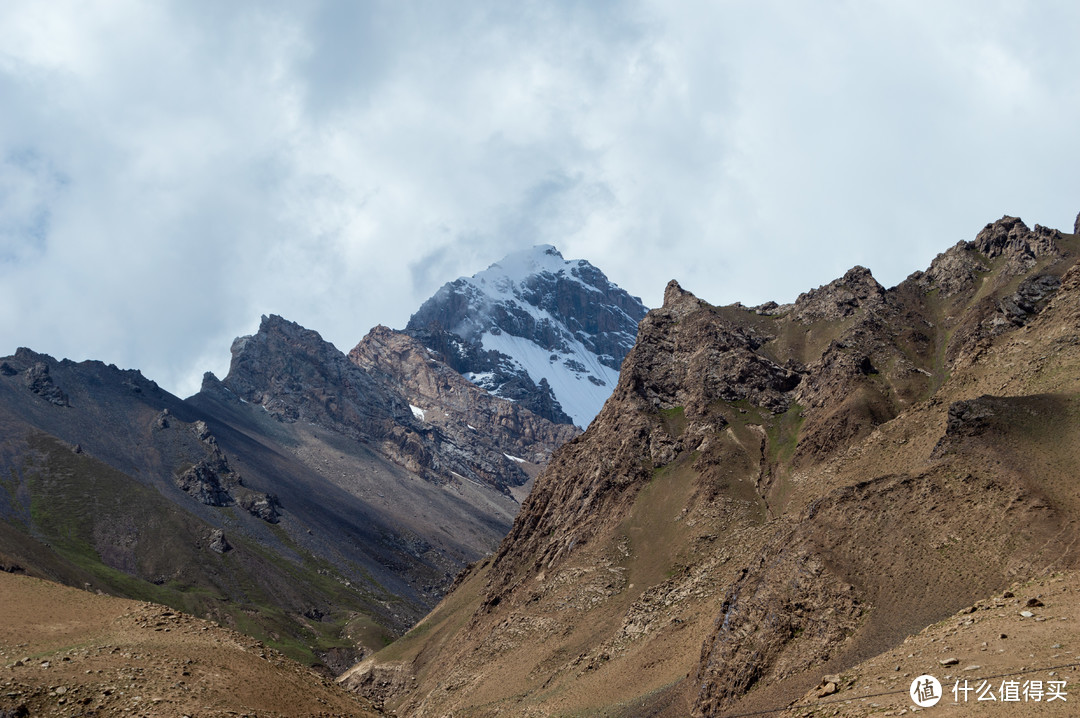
{"x": 497, "y": 439}
{"x": 1028, "y": 633}
{"x": 67, "y": 652}
{"x": 779, "y": 493}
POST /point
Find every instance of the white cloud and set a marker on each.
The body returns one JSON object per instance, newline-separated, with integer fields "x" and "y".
{"x": 170, "y": 171}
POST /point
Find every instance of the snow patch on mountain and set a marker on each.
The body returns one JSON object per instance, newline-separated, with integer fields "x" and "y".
{"x": 580, "y": 382}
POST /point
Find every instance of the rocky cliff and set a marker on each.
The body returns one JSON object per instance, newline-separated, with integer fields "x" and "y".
{"x": 775, "y": 494}
{"x": 490, "y": 438}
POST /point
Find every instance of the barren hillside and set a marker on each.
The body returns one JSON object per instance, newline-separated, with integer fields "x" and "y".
{"x": 68, "y": 652}
{"x": 778, "y": 493}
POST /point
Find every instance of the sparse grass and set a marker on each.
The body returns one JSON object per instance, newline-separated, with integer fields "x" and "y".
{"x": 783, "y": 433}
{"x": 655, "y": 537}
{"x": 441, "y": 625}
{"x": 674, "y": 420}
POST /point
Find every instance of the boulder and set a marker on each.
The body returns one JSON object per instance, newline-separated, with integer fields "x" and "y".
{"x": 218, "y": 542}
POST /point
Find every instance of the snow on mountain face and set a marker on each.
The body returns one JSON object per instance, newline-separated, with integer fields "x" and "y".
{"x": 536, "y": 328}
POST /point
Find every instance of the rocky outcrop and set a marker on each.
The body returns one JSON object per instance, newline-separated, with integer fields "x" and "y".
{"x": 207, "y": 482}
{"x": 1007, "y": 240}
{"x": 970, "y": 417}
{"x": 379, "y": 683}
{"x": 218, "y": 542}
{"x": 841, "y": 298}
{"x": 259, "y": 505}
{"x": 40, "y": 382}
{"x": 297, "y": 376}
{"x": 691, "y": 355}
{"x": 952, "y": 271}
{"x": 1011, "y": 238}
{"x": 678, "y": 302}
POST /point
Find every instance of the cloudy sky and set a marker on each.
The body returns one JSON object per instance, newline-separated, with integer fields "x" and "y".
{"x": 170, "y": 171}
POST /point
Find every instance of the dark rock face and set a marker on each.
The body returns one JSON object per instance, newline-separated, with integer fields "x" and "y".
{"x": 599, "y": 322}
{"x": 1030, "y": 295}
{"x": 204, "y": 482}
{"x": 970, "y": 417}
{"x": 566, "y": 309}
{"x": 263, "y": 506}
{"x": 39, "y": 381}
{"x": 297, "y": 376}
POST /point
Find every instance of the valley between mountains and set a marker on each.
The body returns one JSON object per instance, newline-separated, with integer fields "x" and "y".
{"x": 777, "y": 510}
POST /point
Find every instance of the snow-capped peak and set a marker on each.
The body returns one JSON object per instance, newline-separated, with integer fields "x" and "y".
{"x": 516, "y": 266}
{"x": 536, "y": 328}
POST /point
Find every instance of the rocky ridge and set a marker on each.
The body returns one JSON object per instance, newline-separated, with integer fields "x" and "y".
{"x": 777, "y": 493}
{"x": 296, "y": 376}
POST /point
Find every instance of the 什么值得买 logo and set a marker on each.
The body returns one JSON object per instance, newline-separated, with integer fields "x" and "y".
{"x": 925, "y": 691}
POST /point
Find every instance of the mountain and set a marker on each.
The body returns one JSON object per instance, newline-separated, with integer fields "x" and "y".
{"x": 548, "y": 333}
{"x": 301, "y": 499}
{"x": 777, "y": 501}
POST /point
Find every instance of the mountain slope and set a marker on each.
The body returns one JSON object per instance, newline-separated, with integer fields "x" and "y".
{"x": 777, "y": 493}
{"x": 126, "y": 489}
{"x": 71, "y": 652}
{"x": 548, "y": 333}
{"x": 300, "y": 499}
